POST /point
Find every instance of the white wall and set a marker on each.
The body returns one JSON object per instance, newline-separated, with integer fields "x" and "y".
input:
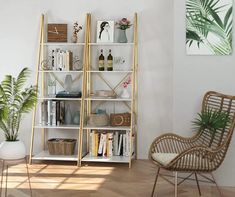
{"x": 193, "y": 76}
{"x": 19, "y": 22}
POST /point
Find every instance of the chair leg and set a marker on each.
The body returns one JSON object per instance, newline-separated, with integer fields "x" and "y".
{"x": 176, "y": 184}
{"x": 198, "y": 187}
{"x": 155, "y": 182}
{"x": 216, "y": 185}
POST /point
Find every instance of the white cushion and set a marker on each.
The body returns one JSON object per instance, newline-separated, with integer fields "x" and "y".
{"x": 164, "y": 158}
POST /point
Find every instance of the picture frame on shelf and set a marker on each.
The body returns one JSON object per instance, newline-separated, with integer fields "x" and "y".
{"x": 105, "y": 31}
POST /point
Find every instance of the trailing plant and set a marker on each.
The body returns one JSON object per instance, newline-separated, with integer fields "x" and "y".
{"x": 15, "y": 100}
{"x": 203, "y": 19}
{"x": 211, "y": 120}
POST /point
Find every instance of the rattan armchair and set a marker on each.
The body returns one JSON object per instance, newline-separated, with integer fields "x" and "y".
{"x": 198, "y": 155}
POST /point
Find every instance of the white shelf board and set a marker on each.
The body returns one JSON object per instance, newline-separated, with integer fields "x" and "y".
{"x": 63, "y": 44}
{"x": 60, "y": 99}
{"x": 57, "y": 127}
{"x": 60, "y": 71}
{"x": 44, "y": 155}
{"x": 113, "y": 159}
{"x": 108, "y": 99}
{"x": 110, "y": 72}
{"x": 111, "y": 44}
{"x": 109, "y": 128}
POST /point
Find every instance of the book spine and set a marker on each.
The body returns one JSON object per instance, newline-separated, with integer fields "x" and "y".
{"x": 64, "y": 60}
{"x": 110, "y": 145}
{"x": 48, "y": 112}
{"x": 96, "y": 144}
{"x": 56, "y": 59}
{"x": 100, "y": 149}
{"x": 116, "y": 143}
{"x": 58, "y": 113}
{"x": 53, "y": 60}
{"x": 62, "y": 112}
{"x": 53, "y": 113}
{"x": 104, "y": 144}
{"x": 91, "y": 143}
{"x": 120, "y": 145}
{"x": 124, "y": 144}
{"x": 67, "y": 60}
{"x": 70, "y": 60}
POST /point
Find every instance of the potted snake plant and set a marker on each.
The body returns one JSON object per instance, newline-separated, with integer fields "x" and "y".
{"x": 15, "y": 100}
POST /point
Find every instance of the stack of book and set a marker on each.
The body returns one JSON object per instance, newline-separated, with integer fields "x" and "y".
{"x": 52, "y": 113}
{"x": 62, "y": 60}
{"x": 110, "y": 144}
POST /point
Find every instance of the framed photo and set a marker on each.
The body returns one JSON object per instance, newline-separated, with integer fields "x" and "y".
{"x": 105, "y": 31}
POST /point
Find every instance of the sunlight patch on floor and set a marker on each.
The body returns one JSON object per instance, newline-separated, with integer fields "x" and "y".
{"x": 57, "y": 177}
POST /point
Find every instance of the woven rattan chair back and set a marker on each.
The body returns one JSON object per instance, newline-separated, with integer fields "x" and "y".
{"x": 220, "y": 102}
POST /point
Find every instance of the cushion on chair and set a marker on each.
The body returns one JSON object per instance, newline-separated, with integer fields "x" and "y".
{"x": 164, "y": 158}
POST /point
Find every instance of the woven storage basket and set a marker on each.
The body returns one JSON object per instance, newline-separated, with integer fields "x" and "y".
{"x": 59, "y": 146}
{"x": 98, "y": 120}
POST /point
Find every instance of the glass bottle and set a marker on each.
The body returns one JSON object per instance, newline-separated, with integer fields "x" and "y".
{"x": 110, "y": 61}
{"x": 101, "y": 61}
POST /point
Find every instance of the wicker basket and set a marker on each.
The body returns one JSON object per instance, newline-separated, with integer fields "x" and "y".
{"x": 98, "y": 120}
{"x": 59, "y": 146}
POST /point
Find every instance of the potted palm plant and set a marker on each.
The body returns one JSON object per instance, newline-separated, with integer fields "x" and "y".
{"x": 15, "y": 100}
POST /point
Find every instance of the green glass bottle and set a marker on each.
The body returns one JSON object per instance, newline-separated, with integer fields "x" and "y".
{"x": 101, "y": 61}
{"x": 110, "y": 61}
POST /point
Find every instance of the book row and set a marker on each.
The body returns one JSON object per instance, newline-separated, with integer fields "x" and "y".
{"x": 110, "y": 144}
{"x": 52, "y": 113}
{"x": 61, "y": 60}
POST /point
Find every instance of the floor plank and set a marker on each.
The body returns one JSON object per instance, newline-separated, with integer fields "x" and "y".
{"x": 94, "y": 180}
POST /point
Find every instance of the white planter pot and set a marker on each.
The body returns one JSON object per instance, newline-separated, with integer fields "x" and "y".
{"x": 12, "y": 150}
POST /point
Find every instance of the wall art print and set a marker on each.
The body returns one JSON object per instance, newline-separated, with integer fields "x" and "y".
{"x": 209, "y": 27}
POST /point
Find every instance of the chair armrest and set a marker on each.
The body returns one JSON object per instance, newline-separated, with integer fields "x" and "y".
{"x": 170, "y": 143}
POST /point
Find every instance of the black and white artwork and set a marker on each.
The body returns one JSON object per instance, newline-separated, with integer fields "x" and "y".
{"x": 105, "y": 31}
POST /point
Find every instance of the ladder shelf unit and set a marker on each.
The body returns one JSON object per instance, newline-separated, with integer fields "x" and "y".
{"x": 89, "y": 77}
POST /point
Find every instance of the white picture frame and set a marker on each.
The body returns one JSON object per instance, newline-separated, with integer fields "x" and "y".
{"x": 105, "y": 31}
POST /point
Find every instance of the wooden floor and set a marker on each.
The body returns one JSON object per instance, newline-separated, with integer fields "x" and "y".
{"x": 104, "y": 180}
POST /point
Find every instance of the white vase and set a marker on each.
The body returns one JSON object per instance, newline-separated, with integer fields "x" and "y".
{"x": 125, "y": 94}
{"x": 12, "y": 150}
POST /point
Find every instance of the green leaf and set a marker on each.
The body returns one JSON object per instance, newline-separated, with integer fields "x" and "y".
{"x": 14, "y": 101}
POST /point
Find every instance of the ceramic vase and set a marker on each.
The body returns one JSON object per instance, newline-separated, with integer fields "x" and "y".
{"x": 68, "y": 83}
{"x": 76, "y": 118}
{"x": 74, "y": 38}
{"x": 68, "y": 115}
{"x": 122, "y": 36}
{"x": 125, "y": 94}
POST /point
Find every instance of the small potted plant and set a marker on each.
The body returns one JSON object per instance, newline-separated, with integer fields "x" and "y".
{"x": 211, "y": 120}
{"x": 76, "y": 29}
{"x": 123, "y": 24}
{"x": 15, "y": 100}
